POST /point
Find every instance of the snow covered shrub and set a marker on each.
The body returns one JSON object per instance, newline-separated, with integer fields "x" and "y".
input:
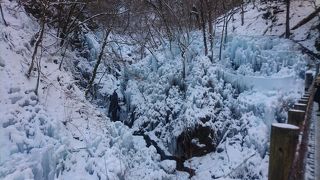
{"x": 281, "y": 113}
{"x": 264, "y": 56}
{"x": 245, "y": 69}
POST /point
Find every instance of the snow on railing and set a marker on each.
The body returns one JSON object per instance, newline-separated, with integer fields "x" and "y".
{"x": 289, "y": 142}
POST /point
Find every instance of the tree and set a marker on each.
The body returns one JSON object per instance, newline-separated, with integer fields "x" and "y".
{"x": 306, "y": 19}
{"x": 242, "y": 13}
{"x": 94, "y": 72}
{"x": 203, "y": 24}
{"x": 210, "y": 26}
{"x": 287, "y": 35}
{"x": 222, "y": 35}
{"x": 39, "y": 39}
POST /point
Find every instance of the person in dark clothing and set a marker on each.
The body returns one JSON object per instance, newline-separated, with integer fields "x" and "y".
{"x": 114, "y": 107}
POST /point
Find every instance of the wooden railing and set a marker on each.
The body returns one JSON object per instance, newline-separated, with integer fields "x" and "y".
{"x": 289, "y": 141}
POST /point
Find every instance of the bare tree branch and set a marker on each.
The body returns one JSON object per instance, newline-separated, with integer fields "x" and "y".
{"x": 5, "y": 22}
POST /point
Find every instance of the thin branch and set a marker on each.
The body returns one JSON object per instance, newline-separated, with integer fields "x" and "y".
{"x": 5, "y": 22}
{"x": 39, "y": 72}
{"x": 63, "y": 55}
{"x": 95, "y": 16}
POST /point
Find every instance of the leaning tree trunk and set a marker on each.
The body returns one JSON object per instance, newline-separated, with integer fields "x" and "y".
{"x": 39, "y": 74}
{"x": 39, "y": 40}
{"x": 94, "y": 72}
{"x": 221, "y": 40}
{"x": 63, "y": 55}
{"x": 226, "y": 31}
{"x": 307, "y": 19}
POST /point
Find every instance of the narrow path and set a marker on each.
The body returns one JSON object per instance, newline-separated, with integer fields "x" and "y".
{"x": 313, "y": 155}
{"x": 310, "y": 158}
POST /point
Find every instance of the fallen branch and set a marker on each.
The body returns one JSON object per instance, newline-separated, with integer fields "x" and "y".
{"x": 307, "y": 19}
{"x": 308, "y": 51}
{"x": 243, "y": 162}
{"x": 234, "y": 169}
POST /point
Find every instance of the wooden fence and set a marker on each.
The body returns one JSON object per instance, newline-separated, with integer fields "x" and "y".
{"x": 289, "y": 141}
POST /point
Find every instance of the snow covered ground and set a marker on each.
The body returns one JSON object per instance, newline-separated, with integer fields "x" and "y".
{"x": 240, "y": 116}
{"x": 265, "y": 75}
{"x": 269, "y": 19}
{"x": 60, "y": 135}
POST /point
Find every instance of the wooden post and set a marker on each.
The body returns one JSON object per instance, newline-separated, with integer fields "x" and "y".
{"x": 308, "y": 80}
{"x": 300, "y": 106}
{"x": 317, "y": 69}
{"x": 283, "y": 142}
{"x": 296, "y": 117}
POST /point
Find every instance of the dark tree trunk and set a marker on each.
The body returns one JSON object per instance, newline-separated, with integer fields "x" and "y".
{"x": 94, "y": 73}
{"x": 307, "y": 19}
{"x": 39, "y": 75}
{"x": 242, "y": 14}
{"x": 203, "y": 23}
{"x": 210, "y": 20}
{"x": 221, "y": 41}
{"x": 39, "y": 40}
{"x": 287, "y": 35}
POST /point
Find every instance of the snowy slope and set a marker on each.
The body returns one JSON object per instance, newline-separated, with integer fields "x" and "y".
{"x": 269, "y": 19}
{"x": 58, "y": 134}
{"x": 265, "y": 75}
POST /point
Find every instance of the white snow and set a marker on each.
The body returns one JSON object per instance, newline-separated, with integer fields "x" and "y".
{"x": 285, "y": 126}
{"x": 296, "y": 110}
{"x": 256, "y": 25}
{"x": 58, "y": 134}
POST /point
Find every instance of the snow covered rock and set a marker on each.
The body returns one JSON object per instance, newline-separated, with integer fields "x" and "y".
{"x": 169, "y": 166}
